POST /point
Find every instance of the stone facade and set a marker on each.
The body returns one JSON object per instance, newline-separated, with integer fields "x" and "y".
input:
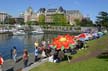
{"x": 71, "y": 15}
{"x": 3, "y": 16}
{"x": 50, "y": 12}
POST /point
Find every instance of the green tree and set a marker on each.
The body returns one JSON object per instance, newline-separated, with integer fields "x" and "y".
{"x": 10, "y": 21}
{"x": 84, "y": 22}
{"x": 29, "y": 22}
{"x": 41, "y": 19}
{"x": 77, "y": 22}
{"x": 21, "y": 21}
{"x": 29, "y": 28}
{"x": 59, "y": 19}
{"x": 0, "y": 22}
{"x": 102, "y": 19}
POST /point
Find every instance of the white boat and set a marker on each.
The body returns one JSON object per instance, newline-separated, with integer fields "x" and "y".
{"x": 37, "y": 32}
{"x": 19, "y": 32}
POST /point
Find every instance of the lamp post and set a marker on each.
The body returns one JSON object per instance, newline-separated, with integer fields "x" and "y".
{"x": 3, "y": 20}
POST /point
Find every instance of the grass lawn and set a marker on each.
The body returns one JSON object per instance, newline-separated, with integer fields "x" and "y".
{"x": 92, "y": 64}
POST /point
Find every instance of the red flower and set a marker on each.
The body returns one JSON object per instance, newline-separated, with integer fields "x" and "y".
{"x": 63, "y": 42}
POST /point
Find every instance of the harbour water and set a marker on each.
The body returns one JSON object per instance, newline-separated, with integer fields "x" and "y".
{"x": 26, "y": 41}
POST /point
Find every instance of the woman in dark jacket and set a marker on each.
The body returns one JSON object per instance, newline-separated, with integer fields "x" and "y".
{"x": 25, "y": 57}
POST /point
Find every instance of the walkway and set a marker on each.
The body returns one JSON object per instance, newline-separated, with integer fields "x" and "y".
{"x": 9, "y": 65}
{"x": 35, "y": 65}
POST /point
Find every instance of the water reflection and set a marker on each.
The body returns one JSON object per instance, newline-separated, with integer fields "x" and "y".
{"x": 21, "y": 42}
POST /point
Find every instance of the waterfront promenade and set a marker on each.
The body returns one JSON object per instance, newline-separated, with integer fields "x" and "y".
{"x": 9, "y": 65}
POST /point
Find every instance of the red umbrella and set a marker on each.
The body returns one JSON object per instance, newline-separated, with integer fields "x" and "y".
{"x": 83, "y": 35}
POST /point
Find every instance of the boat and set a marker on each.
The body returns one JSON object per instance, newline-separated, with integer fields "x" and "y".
{"x": 19, "y": 33}
{"x": 37, "y": 32}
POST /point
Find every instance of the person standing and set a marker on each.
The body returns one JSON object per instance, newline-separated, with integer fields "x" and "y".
{"x": 25, "y": 57}
{"x": 36, "y": 51}
{"x": 43, "y": 54}
{"x": 55, "y": 56}
{"x": 14, "y": 54}
{"x": 11, "y": 53}
{"x": 43, "y": 43}
{"x": 60, "y": 55}
{"x": 1, "y": 62}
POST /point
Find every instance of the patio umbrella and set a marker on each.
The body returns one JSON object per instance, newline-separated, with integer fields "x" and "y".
{"x": 83, "y": 35}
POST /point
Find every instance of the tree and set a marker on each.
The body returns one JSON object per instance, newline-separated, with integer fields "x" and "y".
{"x": 78, "y": 22}
{"x": 29, "y": 22}
{"x": 10, "y": 21}
{"x": 102, "y": 19}
{"x": 59, "y": 19}
{"x": 0, "y": 22}
{"x": 29, "y": 27}
{"x": 20, "y": 21}
{"x": 84, "y": 22}
{"x": 41, "y": 19}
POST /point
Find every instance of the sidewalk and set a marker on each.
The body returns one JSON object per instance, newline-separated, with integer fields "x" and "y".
{"x": 9, "y": 65}
{"x": 35, "y": 64}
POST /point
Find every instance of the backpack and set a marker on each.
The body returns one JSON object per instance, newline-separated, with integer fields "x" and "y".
{"x": 1, "y": 61}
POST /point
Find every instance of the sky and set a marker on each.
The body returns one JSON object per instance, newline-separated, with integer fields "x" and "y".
{"x": 89, "y": 8}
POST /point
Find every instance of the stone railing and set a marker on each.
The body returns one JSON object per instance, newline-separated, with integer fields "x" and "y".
{"x": 51, "y": 28}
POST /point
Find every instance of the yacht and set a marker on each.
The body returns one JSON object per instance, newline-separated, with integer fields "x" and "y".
{"x": 37, "y": 32}
{"x": 19, "y": 32}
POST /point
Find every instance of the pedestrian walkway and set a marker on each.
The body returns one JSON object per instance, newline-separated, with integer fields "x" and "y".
{"x": 9, "y": 65}
{"x": 35, "y": 64}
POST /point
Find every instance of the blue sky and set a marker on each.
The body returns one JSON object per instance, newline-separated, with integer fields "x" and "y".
{"x": 87, "y": 7}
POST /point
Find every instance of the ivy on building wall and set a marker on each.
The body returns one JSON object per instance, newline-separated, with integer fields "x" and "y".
{"x": 41, "y": 19}
{"x": 59, "y": 19}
